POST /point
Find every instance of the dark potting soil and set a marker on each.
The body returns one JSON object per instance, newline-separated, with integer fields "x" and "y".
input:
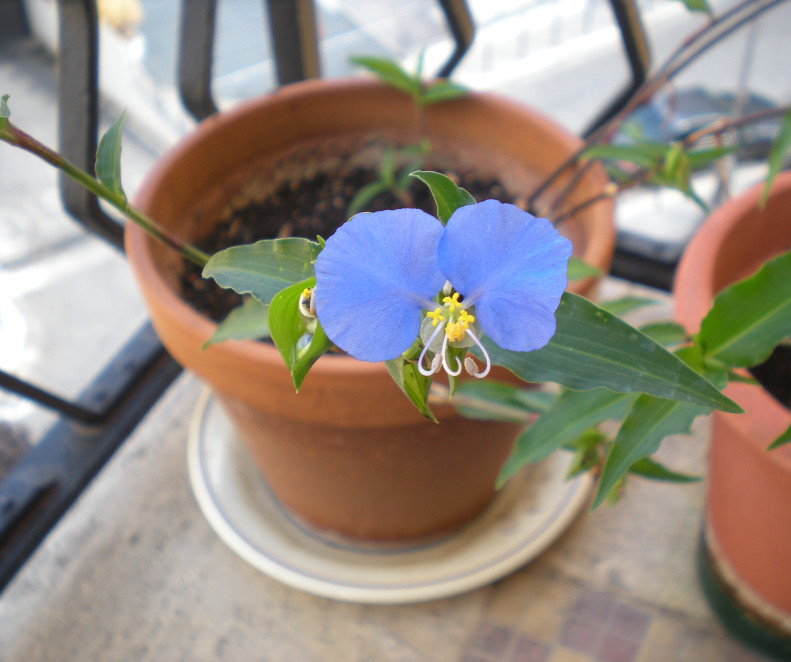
{"x": 775, "y": 374}
{"x": 305, "y": 208}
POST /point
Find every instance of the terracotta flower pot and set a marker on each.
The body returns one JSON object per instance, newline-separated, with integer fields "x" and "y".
{"x": 748, "y": 512}
{"x": 348, "y": 453}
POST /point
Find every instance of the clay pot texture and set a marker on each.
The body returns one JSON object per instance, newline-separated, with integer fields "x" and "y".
{"x": 748, "y": 511}
{"x": 348, "y": 453}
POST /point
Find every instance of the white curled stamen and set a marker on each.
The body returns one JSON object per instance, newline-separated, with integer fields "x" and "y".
{"x": 434, "y": 363}
{"x": 308, "y": 311}
{"x": 452, "y": 373}
{"x": 470, "y": 365}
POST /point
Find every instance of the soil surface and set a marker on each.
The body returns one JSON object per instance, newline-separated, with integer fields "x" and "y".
{"x": 306, "y": 208}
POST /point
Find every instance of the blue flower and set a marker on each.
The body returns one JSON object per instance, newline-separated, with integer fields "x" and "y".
{"x": 387, "y": 278}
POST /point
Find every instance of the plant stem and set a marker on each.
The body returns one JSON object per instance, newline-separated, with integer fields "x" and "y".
{"x": 18, "y": 138}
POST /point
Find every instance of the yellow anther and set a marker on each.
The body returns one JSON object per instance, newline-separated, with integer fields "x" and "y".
{"x": 466, "y": 319}
{"x": 435, "y": 315}
{"x": 455, "y": 331}
{"x": 452, "y": 302}
{"x": 306, "y": 293}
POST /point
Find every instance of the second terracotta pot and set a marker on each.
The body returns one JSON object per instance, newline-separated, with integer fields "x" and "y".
{"x": 748, "y": 508}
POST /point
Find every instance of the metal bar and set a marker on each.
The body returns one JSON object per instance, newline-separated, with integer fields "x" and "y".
{"x": 47, "y": 399}
{"x": 461, "y": 25}
{"x": 635, "y": 43}
{"x": 13, "y": 21}
{"x": 78, "y": 103}
{"x": 292, "y": 24}
{"x": 196, "y": 44}
{"x": 39, "y": 489}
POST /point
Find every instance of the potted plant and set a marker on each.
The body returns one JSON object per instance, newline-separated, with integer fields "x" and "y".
{"x": 746, "y": 539}
{"x": 348, "y": 427}
{"x": 407, "y": 479}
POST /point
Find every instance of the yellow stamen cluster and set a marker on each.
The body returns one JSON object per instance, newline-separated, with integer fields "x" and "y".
{"x": 456, "y": 323}
{"x": 452, "y": 302}
{"x": 456, "y": 330}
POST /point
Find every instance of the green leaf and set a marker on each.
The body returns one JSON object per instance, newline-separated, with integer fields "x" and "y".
{"x": 644, "y": 154}
{"x": 667, "y": 334}
{"x": 586, "y": 451}
{"x": 623, "y": 305}
{"x": 649, "y": 468}
{"x": 750, "y": 317}
{"x": 365, "y": 195}
{"x": 108, "y": 158}
{"x": 697, "y": 5}
{"x": 300, "y": 342}
{"x": 245, "y": 322}
{"x": 780, "y": 147}
{"x": 579, "y": 269}
{"x": 496, "y": 401}
{"x": 5, "y": 111}
{"x": 647, "y": 424}
{"x": 699, "y": 158}
{"x": 264, "y": 268}
{"x": 448, "y": 196}
{"x": 389, "y": 72}
{"x": 593, "y": 348}
{"x": 414, "y": 385}
{"x": 572, "y": 414}
{"x": 441, "y": 90}
{"x": 783, "y": 439}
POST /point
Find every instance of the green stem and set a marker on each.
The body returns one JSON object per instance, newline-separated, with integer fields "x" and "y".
{"x": 18, "y": 138}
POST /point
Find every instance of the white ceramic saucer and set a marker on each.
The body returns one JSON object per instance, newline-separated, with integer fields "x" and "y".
{"x": 524, "y": 519}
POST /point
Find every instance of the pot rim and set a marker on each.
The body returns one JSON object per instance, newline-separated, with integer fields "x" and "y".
{"x": 199, "y": 327}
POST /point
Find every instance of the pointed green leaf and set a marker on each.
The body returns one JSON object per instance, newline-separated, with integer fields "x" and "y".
{"x": 579, "y": 269}
{"x": 697, "y": 5}
{"x": 389, "y": 72}
{"x": 300, "y": 342}
{"x": 593, "y": 348}
{"x": 496, "y": 401}
{"x": 699, "y": 158}
{"x": 245, "y": 322}
{"x": 448, "y": 196}
{"x": 782, "y": 440}
{"x": 5, "y": 111}
{"x": 780, "y": 147}
{"x": 647, "y": 424}
{"x": 441, "y": 90}
{"x": 623, "y": 305}
{"x": 667, "y": 334}
{"x": 750, "y": 317}
{"x": 364, "y": 196}
{"x": 108, "y": 158}
{"x": 264, "y": 268}
{"x": 414, "y": 385}
{"x": 650, "y": 468}
{"x": 644, "y": 154}
{"x": 572, "y": 415}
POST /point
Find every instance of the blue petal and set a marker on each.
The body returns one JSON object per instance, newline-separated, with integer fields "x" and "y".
{"x": 373, "y": 278}
{"x": 511, "y": 266}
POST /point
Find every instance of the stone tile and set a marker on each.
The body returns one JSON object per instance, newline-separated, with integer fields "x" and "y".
{"x": 594, "y": 606}
{"x": 615, "y": 649}
{"x": 492, "y": 639}
{"x": 581, "y": 635}
{"x": 630, "y": 623}
{"x": 563, "y": 654}
{"x": 530, "y": 650}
